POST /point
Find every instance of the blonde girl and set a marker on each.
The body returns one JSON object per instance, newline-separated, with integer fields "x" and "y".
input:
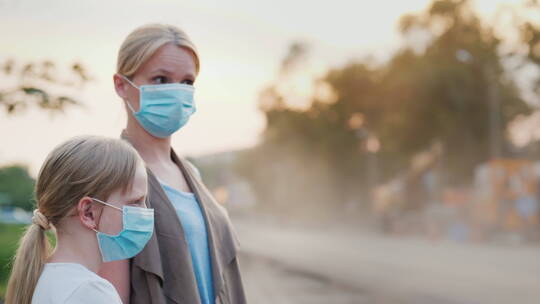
{"x": 90, "y": 193}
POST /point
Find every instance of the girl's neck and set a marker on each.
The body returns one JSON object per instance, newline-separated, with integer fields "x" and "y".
{"x": 80, "y": 250}
{"x": 152, "y": 149}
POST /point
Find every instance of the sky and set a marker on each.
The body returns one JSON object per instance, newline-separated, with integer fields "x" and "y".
{"x": 241, "y": 44}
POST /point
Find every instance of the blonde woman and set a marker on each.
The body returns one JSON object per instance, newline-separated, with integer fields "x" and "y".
{"x": 91, "y": 192}
{"x": 192, "y": 258}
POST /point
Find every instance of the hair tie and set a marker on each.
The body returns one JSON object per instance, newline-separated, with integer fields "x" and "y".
{"x": 41, "y": 220}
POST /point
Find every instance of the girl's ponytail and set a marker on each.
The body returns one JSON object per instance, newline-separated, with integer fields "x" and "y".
{"x": 34, "y": 248}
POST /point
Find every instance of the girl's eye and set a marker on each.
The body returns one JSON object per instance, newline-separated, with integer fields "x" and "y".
{"x": 188, "y": 81}
{"x": 137, "y": 204}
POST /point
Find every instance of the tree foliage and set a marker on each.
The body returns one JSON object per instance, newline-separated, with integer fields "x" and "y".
{"x": 448, "y": 92}
{"x": 16, "y": 187}
{"x": 39, "y": 84}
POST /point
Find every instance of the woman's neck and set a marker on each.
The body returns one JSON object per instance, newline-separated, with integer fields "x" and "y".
{"x": 152, "y": 149}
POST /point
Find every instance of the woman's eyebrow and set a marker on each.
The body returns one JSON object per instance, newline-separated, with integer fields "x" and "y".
{"x": 168, "y": 72}
{"x": 161, "y": 70}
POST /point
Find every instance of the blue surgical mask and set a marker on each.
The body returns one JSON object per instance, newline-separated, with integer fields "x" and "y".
{"x": 138, "y": 226}
{"x": 164, "y": 108}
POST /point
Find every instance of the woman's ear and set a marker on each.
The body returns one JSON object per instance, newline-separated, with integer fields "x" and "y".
{"x": 120, "y": 86}
{"x": 88, "y": 212}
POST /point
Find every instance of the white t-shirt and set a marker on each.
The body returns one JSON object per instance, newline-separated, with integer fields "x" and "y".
{"x": 73, "y": 283}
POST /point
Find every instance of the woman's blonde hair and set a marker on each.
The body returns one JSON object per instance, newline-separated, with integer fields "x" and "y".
{"x": 144, "y": 41}
{"x": 83, "y": 166}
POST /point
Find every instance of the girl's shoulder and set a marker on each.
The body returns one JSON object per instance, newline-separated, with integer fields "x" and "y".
{"x": 73, "y": 283}
{"x": 95, "y": 291}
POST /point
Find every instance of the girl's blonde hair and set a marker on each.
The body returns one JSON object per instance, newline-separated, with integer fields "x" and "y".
{"x": 144, "y": 41}
{"x": 83, "y": 166}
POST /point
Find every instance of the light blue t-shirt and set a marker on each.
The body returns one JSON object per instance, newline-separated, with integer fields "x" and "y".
{"x": 192, "y": 220}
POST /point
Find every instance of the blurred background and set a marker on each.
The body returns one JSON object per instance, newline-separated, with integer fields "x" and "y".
{"x": 368, "y": 152}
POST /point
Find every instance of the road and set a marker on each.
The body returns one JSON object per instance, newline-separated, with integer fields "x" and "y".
{"x": 287, "y": 264}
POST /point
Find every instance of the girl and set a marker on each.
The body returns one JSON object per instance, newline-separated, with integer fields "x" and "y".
{"x": 91, "y": 192}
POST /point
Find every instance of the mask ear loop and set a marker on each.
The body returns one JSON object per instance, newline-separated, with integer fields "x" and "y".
{"x": 130, "y": 82}
{"x": 133, "y": 85}
{"x": 106, "y": 204}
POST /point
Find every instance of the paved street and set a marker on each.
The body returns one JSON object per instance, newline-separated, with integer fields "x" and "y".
{"x": 282, "y": 264}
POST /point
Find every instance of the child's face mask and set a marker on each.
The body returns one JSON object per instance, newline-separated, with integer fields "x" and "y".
{"x": 138, "y": 226}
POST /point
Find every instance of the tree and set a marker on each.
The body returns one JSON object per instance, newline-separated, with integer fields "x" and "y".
{"x": 34, "y": 84}
{"x": 449, "y": 89}
{"x": 465, "y": 98}
{"x": 16, "y": 187}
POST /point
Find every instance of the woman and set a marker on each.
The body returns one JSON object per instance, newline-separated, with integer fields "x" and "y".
{"x": 91, "y": 192}
{"x": 192, "y": 256}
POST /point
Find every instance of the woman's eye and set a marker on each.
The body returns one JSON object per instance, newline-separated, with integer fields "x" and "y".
{"x": 159, "y": 80}
{"x": 163, "y": 80}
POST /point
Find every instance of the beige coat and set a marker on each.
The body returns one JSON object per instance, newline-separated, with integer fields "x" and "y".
{"x": 162, "y": 273}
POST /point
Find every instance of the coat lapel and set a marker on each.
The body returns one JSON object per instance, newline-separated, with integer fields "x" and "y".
{"x": 180, "y": 282}
{"x": 167, "y": 253}
{"x": 222, "y": 241}
{"x": 149, "y": 258}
